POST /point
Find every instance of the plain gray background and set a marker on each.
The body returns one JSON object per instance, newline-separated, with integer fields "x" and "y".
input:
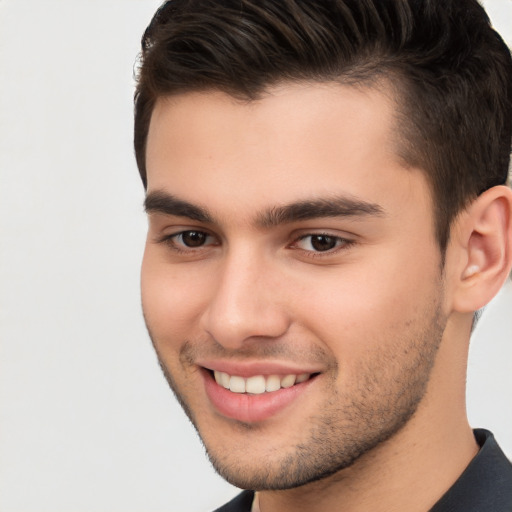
{"x": 87, "y": 423}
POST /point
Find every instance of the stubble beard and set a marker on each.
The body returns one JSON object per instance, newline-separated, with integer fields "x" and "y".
{"x": 352, "y": 422}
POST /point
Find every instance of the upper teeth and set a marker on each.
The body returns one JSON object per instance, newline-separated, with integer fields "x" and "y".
{"x": 259, "y": 383}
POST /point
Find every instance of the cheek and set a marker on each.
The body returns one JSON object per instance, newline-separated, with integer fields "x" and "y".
{"x": 373, "y": 304}
{"x": 171, "y": 299}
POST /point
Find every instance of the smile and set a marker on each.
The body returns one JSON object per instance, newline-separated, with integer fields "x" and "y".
{"x": 258, "y": 384}
{"x": 257, "y": 396}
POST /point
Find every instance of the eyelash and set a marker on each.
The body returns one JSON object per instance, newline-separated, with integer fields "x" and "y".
{"x": 170, "y": 240}
{"x": 341, "y": 243}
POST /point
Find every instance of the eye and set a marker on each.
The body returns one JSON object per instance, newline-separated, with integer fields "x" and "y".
{"x": 320, "y": 242}
{"x": 189, "y": 240}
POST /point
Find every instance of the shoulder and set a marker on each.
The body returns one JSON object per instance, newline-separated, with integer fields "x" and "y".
{"x": 240, "y": 503}
{"x": 485, "y": 485}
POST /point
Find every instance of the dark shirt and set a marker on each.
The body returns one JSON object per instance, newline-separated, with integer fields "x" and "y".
{"x": 485, "y": 485}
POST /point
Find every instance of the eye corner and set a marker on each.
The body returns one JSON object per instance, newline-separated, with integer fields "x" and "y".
{"x": 187, "y": 242}
{"x": 321, "y": 242}
{"x": 321, "y": 245}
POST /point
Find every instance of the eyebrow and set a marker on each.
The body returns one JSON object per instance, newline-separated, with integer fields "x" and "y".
{"x": 167, "y": 204}
{"x": 336, "y": 206}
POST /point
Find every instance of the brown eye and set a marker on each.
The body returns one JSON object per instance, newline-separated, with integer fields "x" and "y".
{"x": 193, "y": 238}
{"x": 323, "y": 242}
{"x": 316, "y": 243}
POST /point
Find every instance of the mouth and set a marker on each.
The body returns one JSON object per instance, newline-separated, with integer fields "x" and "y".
{"x": 257, "y": 397}
{"x": 259, "y": 384}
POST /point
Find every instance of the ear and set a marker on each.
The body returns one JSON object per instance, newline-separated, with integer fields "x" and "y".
{"x": 481, "y": 249}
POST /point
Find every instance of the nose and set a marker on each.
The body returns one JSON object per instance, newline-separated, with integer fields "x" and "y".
{"x": 246, "y": 302}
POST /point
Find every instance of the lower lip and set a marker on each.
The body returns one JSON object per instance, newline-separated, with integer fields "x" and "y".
{"x": 249, "y": 408}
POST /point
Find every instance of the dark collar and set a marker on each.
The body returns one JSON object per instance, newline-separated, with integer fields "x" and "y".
{"x": 240, "y": 503}
{"x": 485, "y": 485}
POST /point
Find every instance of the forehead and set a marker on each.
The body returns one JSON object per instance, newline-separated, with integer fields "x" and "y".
{"x": 296, "y": 141}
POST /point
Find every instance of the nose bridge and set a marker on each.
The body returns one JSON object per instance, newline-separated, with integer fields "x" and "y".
{"x": 244, "y": 303}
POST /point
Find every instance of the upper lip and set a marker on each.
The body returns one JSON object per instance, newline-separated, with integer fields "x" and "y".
{"x": 248, "y": 369}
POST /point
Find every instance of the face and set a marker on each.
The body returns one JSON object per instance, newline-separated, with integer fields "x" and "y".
{"x": 291, "y": 281}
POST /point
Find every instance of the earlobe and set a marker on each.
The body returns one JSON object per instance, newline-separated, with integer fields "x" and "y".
{"x": 485, "y": 249}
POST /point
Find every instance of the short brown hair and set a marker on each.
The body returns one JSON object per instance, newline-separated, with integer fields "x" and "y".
{"x": 452, "y": 71}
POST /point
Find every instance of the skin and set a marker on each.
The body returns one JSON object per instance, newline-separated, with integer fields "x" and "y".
{"x": 375, "y": 316}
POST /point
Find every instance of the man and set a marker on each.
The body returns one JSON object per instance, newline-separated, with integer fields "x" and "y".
{"x": 327, "y": 211}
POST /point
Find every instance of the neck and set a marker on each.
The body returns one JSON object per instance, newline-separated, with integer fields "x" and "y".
{"x": 411, "y": 470}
